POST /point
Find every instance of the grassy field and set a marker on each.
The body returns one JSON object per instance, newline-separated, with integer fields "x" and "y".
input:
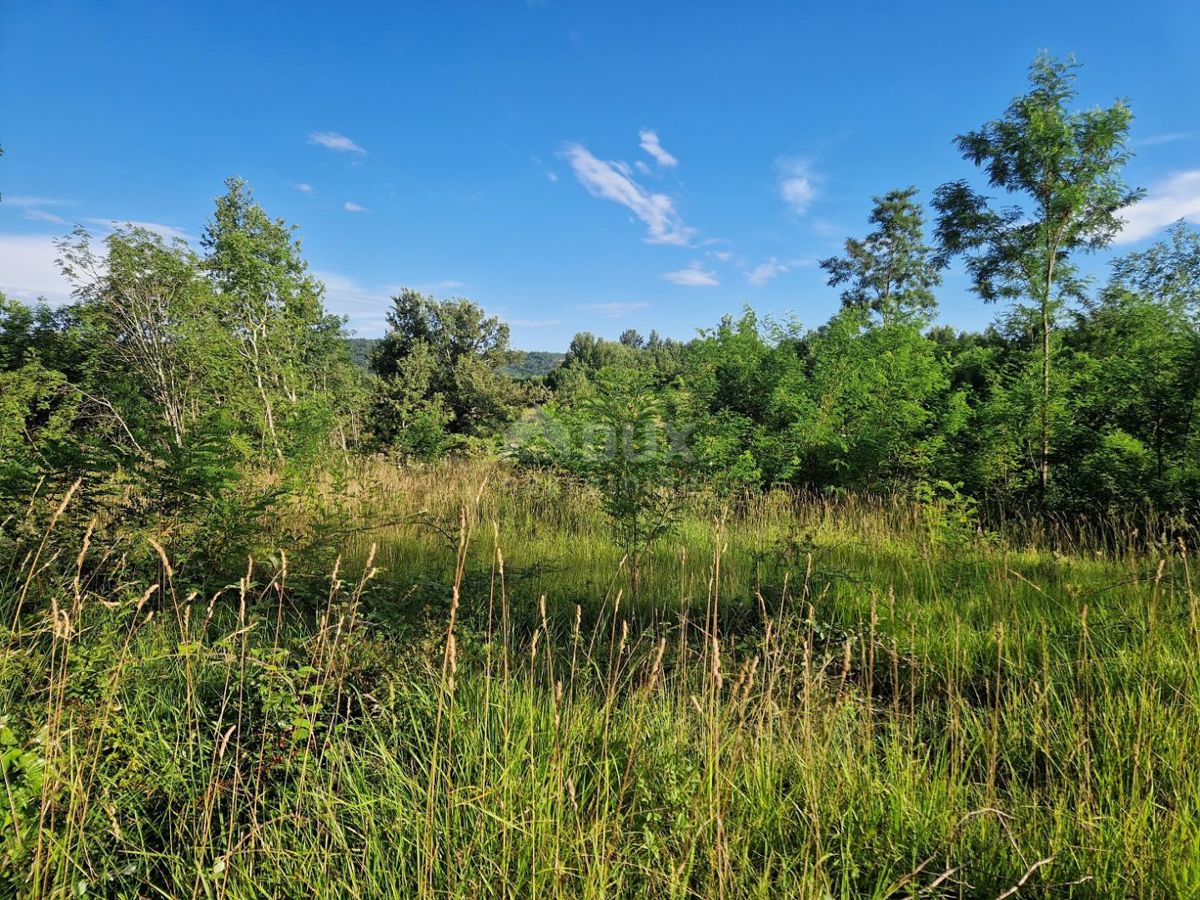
{"x": 804, "y": 698}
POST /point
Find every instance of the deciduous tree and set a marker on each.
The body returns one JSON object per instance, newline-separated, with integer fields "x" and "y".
{"x": 1067, "y": 167}
{"x": 892, "y": 271}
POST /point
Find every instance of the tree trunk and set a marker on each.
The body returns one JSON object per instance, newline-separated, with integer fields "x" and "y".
{"x": 268, "y": 412}
{"x": 1044, "y": 463}
{"x": 1045, "y": 456}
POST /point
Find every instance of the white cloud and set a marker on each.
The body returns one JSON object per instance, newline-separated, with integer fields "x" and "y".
{"x": 720, "y": 255}
{"x": 1178, "y": 197}
{"x": 33, "y": 210}
{"x": 614, "y": 310}
{"x": 29, "y": 262}
{"x": 611, "y": 181}
{"x": 335, "y": 141}
{"x": 533, "y": 323}
{"x": 649, "y": 143}
{"x": 448, "y": 284}
{"x": 1170, "y": 137}
{"x": 366, "y": 307}
{"x": 351, "y": 206}
{"x": 642, "y": 167}
{"x": 24, "y": 202}
{"x": 302, "y": 187}
{"x": 537, "y": 161}
{"x": 766, "y": 271}
{"x": 40, "y": 215}
{"x": 166, "y": 232}
{"x": 826, "y": 228}
{"x": 29, "y": 268}
{"x": 693, "y": 276}
{"x": 796, "y": 185}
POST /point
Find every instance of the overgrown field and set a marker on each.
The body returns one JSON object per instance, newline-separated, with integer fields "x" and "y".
{"x": 801, "y": 698}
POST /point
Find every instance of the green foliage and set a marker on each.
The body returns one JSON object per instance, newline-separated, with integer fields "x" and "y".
{"x": 361, "y": 350}
{"x": 533, "y": 364}
{"x": 875, "y": 657}
{"x": 951, "y": 517}
{"x": 173, "y": 380}
{"x": 1134, "y": 365}
{"x": 1168, "y": 271}
{"x": 39, "y": 406}
{"x": 1068, "y": 166}
{"x": 290, "y": 351}
{"x": 618, "y": 438}
{"x": 587, "y": 355}
{"x": 892, "y": 272}
{"x": 152, "y": 347}
{"x": 629, "y": 451}
{"x": 824, "y": 702}
{"x": 437, "y": 368}
{"x": 22, "y": 770}
{"x": 868, "y": 416}
{"x": 407, "y": 412}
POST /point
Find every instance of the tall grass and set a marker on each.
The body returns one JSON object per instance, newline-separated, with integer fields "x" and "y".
{"x": 811, "y": 698}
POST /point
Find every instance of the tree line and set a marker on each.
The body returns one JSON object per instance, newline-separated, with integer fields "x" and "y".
{"x": 179, "y": 375}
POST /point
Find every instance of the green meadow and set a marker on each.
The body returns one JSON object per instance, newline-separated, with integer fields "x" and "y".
{"x": 806, "y": 698}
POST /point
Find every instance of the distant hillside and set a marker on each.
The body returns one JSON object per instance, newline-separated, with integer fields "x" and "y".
{"x": 533, "y": 363}
{"x": 530, "y": 364}
{"x": 360, "y": 350}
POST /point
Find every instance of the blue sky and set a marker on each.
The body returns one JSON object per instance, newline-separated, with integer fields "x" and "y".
{"x": 569, "y": 165}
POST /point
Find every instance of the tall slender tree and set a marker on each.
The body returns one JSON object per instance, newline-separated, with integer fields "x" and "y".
{"x": 1066, "y": 166}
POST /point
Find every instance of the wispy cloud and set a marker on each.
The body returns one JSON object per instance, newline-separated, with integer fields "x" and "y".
{"x": 166, "y": 232}
{"x": 826, "y": 228}
{"x": 1169, "y": 137}
{"x": 796, "y": 184}
{"x": 537, "y": 161}
{"x": 650, "y": 143}
{"x": 40, "y": 215}
{"x": 303, "y": 187}
{"x": 614, "y": 310}
{"x": 533, "y": 323}
{"x": 351, "y": 206}
{"x": 25, "y": 202}
{"x": 29, "y": 268}
{"x": 613, "y": 181}
{"x": 1177, "y": 197}
{"x": 365, "y": 307}
{"x": 335, "y": 141}
{"x": 766, "y": 271}
{"x": 34, "y": 212}
{"x": 694, "y": 275}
